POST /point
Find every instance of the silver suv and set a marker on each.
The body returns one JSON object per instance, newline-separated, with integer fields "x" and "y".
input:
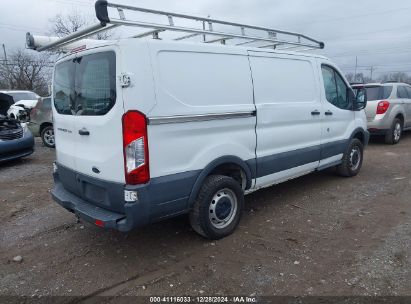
{"x": 388, "y": 109}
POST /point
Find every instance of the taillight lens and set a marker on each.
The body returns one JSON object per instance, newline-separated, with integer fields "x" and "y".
{"x": 382, "y": 107}
{"x": 135, "y": 145}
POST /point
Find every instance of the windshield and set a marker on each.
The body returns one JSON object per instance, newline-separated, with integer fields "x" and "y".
{"x": 23, "y": 96}
{"x": 86, "y": 85}
{"x": 378, "y": 93}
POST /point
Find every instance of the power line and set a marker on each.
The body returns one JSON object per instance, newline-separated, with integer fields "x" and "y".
{"x": 368, "y": 33}
{"x": 379, "y": 65}
{"x": 380, "y": 71}
{"x": 369, "y": 14}
{"x": 77, "y": 2}
{"x": 371, "y": 52}
{"x": 2, "y": 24}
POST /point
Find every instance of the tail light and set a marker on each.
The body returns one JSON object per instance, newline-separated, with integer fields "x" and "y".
{"x": 135, "y": 145}
{"x": 382, "y": 107}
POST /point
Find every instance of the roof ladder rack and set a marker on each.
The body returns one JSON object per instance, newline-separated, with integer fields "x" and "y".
{"x": 240, "y": 34}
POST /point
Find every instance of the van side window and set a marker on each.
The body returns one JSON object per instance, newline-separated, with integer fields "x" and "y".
{"x": 402, "y": 92}
{"x": 408, "y": 91}
{"x": 335, "y": 88}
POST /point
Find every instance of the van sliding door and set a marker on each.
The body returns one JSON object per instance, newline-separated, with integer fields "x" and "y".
{"x": 288, "y": 116}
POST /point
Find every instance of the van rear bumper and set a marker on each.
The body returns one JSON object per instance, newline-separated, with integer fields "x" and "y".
{"x": 161, "y": 198}
{"x": 133, "y": 217}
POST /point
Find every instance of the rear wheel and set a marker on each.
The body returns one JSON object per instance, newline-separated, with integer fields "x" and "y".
{"x": 352, "y": 159}
{"x": 218, "y": 207}
{"x": 47, "y": 135}
{"x": 394, "y": 134}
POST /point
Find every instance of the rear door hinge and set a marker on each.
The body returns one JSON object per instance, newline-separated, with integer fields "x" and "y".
{"x": 124, "y": 79}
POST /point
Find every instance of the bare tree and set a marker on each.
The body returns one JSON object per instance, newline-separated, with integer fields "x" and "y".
{"x": 359, "y": 77}
{"x": 63, "y": 25}
{"x": 350, "y": 77}
{"x": 397, "y": 76}
{"x": 26, "y": 71}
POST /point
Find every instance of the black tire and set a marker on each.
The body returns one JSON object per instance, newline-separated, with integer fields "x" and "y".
{"x": 393, "y": 136}
{"x": 352, "y": 159}
{"x": 45, "y": 137}
{"x": 209, "y": 205}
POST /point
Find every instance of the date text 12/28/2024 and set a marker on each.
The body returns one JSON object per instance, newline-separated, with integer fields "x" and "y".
{"x": 204, "y": 299}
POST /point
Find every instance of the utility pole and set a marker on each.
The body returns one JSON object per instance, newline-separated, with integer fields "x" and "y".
{"x": 7, "y": 64}
{"x": 372, "y": 69}
{"x": 356, "y": 66}
{"x": 5, "y": 54}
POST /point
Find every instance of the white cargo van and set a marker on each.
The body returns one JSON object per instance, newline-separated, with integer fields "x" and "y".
{"x": 148, "y": 129}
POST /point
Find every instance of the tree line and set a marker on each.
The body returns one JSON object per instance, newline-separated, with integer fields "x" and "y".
{"x": 395, "y": 76}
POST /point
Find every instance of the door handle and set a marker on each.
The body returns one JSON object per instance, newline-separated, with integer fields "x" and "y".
{"x": 84, "y": 132}
{"x": 328, "y": 113}
{"x": 316, "y": 112}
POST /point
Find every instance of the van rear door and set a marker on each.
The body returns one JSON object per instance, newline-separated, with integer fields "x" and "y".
{"x": 88, "y": 120}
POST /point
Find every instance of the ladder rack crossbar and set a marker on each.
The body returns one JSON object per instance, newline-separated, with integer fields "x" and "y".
{"x": 199, "y": 31}
{"x": 246, "y": 34}
{"x": 210, "y": 20}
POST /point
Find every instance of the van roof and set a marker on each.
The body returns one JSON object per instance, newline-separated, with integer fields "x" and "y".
{"x": 203, "y": 46}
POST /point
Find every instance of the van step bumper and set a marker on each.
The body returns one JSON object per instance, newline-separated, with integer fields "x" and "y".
{"x": 161, "y": 198}
{"x": 90, "y": 213}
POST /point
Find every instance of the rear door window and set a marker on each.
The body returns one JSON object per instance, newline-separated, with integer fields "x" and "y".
{"x": 64, "y": 87}
{"x": 86, "y": 85}
{"x": 379, "y": 92}
{"x": 402, "y": 92}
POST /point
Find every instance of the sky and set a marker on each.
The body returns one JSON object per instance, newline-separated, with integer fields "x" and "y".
{"x": 378, "y": 33}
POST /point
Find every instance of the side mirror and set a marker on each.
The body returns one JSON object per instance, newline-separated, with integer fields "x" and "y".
{"x": 360, "y": 101}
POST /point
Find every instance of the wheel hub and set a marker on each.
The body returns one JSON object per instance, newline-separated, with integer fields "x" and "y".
{"x": 49, "y": 137}
{"x": 223, "y": 208}
{"x": 397, "y": 132}
{"x": 355, "y": 158}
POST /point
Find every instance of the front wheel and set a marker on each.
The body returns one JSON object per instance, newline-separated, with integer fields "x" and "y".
{"x": 352, "y": 159}
{"x": 218, "y": 207}
{"x": 47, "y": 136}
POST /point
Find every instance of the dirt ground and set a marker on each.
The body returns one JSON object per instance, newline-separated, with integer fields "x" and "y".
{"x": 316, "y": 235}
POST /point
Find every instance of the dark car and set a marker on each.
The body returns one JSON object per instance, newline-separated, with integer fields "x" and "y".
{"x": 41, "y": 122}
{"x": 6, "y": 101}
{"x": 16, "y": 140}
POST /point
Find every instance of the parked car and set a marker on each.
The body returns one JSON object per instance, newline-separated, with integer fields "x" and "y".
{"x": 41, "y": 122}
{"x": 16, "y": 141}
{"x": 23, "y": 102}
{"x": 6, "y": 101}
{"x": 151, "y": 129}
{"x": 388, "y": 109}
{"x": 7, "y": 106}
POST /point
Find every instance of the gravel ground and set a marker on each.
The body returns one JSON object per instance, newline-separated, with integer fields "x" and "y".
{"x": 317, "y": 235}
